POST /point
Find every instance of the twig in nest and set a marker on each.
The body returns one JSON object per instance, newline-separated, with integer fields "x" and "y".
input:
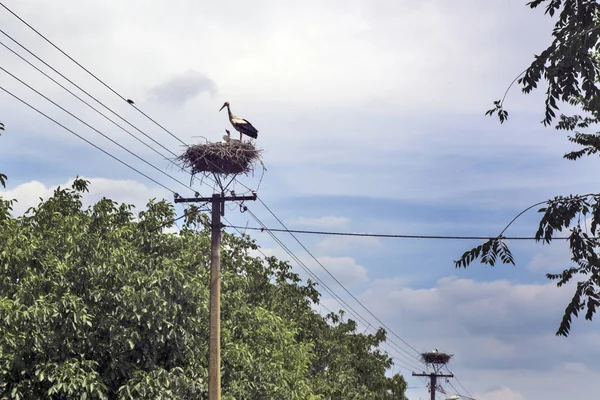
{"x": 229, "y": 158}
{"x": 436, "y": 358}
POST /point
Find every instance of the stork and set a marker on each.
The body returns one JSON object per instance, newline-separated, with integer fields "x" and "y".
{"x": 227, "y": 138}
{"x": 241, "y": 125}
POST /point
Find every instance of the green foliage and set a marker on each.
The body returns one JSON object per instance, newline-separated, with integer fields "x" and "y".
{"x": 570, "y": 67}
{"x": 347, "y": 367}
{"x": 487, "y": 253}
{"x": 99, "y": 303}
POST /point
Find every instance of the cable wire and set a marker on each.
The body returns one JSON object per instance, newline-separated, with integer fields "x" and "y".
{"x": 87, "y": 141}
{"x": 83, "y": 90}
{"x": 338, "y": 282}
{"x": 332, "y": 293}
{"x": 97, "y": 131}
{"x": 396, "y": 236}
{"x": 86, "y": 103}
{"x": 457, "y": 380}
{"x": 315, "y": 277}
{"x": 395, "y": 357}
{"x": 98, "y": 79}
{"x": 464, "y": 388}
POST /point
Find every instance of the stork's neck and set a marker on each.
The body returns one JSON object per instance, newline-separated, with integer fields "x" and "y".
{"x": 229, "y": 112}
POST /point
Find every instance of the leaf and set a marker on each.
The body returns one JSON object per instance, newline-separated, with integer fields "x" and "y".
{"x": 487, "y": 253}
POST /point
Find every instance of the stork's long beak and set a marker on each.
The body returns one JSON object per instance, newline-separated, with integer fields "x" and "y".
{"x": 222, "y": 107}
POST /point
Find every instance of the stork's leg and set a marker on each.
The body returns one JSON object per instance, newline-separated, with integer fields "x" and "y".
{"x": 240, "y": 137}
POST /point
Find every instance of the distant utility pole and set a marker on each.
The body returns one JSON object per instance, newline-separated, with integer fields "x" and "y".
{"x": 214, "y": 345}
{"x": 437, "y": 360}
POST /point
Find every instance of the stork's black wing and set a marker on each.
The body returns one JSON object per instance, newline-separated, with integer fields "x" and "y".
{"x": 249, "y": 129}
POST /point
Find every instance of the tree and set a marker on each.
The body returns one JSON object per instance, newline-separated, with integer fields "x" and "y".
{"x": 100, "y": 303}
{"x": 570, "y": 67}
{"x": 348, "y": 368}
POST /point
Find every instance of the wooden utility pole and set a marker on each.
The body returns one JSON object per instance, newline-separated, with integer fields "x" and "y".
{"x": 214, "y": 345}
{"x": 433, "y": 381}
{"x": 214, "y": 315}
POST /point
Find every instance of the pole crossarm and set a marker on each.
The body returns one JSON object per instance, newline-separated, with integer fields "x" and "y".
{"x": 436, "y": 375}
{"x": 179, "y": 199}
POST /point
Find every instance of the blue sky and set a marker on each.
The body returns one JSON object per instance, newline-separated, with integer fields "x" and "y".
{"x": 371, "y": 116}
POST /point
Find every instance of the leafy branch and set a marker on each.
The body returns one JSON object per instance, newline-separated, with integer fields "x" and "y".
{"x": 560, "y": 213}
{"x": 568, "y": 65}
{"x": 499, "y": 104}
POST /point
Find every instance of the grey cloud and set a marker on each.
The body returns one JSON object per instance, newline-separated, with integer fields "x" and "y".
{"x": 491, "y": 325}
{"x": 182, "y": 88}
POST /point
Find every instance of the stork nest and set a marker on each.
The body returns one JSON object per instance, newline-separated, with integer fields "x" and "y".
{"x": 435, "y": 358}
{"x": 230, "y": 158}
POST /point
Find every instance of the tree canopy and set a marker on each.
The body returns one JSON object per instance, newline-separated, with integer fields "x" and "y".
{"x": 570, "y": 67}
{"x": 101, "y": 303}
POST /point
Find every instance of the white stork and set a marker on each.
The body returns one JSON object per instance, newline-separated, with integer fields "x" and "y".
{"x": 227, "y": 138}
{"x": 241, "y": 125}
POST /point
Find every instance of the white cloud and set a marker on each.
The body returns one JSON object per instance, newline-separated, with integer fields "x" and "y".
{"x": 552, "y": 258}
{"x": 345, "y": 269}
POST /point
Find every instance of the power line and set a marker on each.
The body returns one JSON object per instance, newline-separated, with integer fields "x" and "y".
{"x": 328, "y": 289}
{"x": 397, "y": 361}
{"x": 337, "y": 281}
{"x": 397, "y": 236}
{"x": 97, "y": 131}
{"x": 331, "y": 292}
{"x": 85, "y": 140}
{"x": 86, "y": 70}
{"x": 83, "y": 90}
{"x": 461, "y": 385}
{"x": 88, "y": 104}
{"x": 97, "y": 101}
{"x": 312, "y": 274}
{"x": 464, "y": 388}
{"x": 406, "y": 364}
{"x": 393, "y": 346}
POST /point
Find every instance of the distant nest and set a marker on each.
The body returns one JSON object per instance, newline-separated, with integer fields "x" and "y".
{"x": 436, "y": 358}
{"x": 231, "y": 158}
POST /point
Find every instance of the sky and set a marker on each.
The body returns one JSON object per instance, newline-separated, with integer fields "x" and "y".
{"x": 371, "y": 117}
